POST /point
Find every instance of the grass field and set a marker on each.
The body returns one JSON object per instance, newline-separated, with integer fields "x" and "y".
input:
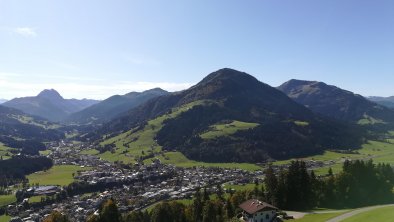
{"x": 35, "y": 199}
{"x": 326, "y": 156}
{"x": 178, "y": 159}
{"x": 58, "y": 175}
{"x": 45, "y": 152}
{"x": 5, "y": 151}
{"x": 90, "y": 152}
{"x": 318, "y": 217}
{"x": 249, "y": 186}
{"x": 301, "y": 123}
{"x": 379, "y": 152}
{"x": 385, "y": 214}
{"x": 4, "y": 218}
{"x": 7, "y": 199}
{"x": 368, "y": 120}
{"x": 227, "y": 129}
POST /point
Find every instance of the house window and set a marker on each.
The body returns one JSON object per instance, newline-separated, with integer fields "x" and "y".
{"x": 267, "y": 216}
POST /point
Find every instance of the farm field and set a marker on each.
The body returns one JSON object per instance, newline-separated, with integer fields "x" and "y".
{"x": 58, "y": 175}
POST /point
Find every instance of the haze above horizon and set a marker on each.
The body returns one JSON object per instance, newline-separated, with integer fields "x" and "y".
{"x": 95, "y": 49}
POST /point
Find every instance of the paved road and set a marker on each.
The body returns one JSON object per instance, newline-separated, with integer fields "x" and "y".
{"x": 354, "y": 212}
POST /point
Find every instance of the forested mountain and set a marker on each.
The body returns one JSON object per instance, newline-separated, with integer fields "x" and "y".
{"x": 19, "y": 130}
{"x": 113, "y": 106}
{"x": 384, "y": 101}
{"x": 49, "y": 104}
{"x": 276, "y": 126}
{"x": 337, "y": 103}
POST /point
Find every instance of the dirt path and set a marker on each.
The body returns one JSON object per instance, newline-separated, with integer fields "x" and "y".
{"x": 296, "y": 215}
{"x": 354, "y": 212}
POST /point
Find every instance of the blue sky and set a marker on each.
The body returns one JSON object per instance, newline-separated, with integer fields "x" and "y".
{"x": 95, "y": 49}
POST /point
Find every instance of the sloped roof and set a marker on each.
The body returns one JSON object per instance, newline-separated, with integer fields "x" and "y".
{"x": 252, "y": 206}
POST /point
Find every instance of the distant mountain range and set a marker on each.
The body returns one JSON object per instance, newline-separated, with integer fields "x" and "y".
{"x": 337, "y": 103}
{"x": 114, "y": 106}
{"x": 384, "y": 101}
{"x": 49, "y": 104}
{"x": 3, "y": 101}
{"x": 273, "y": 125}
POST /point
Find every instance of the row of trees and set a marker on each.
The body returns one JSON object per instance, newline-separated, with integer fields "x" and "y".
{"x": 359, "y": 184}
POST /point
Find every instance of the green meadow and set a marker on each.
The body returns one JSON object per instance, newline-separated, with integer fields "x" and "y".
{"x": 58, "y": 175}
{"x": 178, "y": 159}
{"x": 7, "y": 199}
{"x": 379, "y": 152}
{"x": 4, "y": 218}
{"x": 385, "y": 214}
{"x": 5, "y": 151}
{"x": 227, "y": 129}
{"x": 320, "y": 217}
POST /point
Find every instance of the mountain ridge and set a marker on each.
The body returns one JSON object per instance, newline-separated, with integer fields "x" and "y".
{"x": 334, "y": 102}
{"x": 234, "y": 96}
{"x": 384, "y": 101}
{"x": 49, "y": 104}
{"x": 113, "y": 106}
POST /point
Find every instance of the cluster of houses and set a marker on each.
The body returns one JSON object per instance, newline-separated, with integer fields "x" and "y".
{"x": 134, "y": 188}
{"x": 68, "y": 153}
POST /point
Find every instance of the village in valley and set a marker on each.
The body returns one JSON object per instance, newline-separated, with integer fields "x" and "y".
{"x": 134, "y": 188}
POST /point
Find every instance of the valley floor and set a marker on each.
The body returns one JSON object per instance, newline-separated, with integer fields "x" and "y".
{"x": 70, "y": 157}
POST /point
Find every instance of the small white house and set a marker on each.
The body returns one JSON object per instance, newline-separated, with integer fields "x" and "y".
{"x": 258, "y": 211}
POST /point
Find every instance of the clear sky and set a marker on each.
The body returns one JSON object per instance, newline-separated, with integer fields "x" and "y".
{"x": 94, "y": 49}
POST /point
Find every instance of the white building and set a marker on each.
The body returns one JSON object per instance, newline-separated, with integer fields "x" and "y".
{"x": 257, "y": 211}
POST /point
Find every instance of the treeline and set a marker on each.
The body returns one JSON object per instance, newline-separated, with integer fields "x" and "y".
{"x": 273, "y": 138}
{"x": 359, "y": 184}
{"x": 30, "y": 147}
{"x": 204, "y": 208}
{"x": 14, "y": 170}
